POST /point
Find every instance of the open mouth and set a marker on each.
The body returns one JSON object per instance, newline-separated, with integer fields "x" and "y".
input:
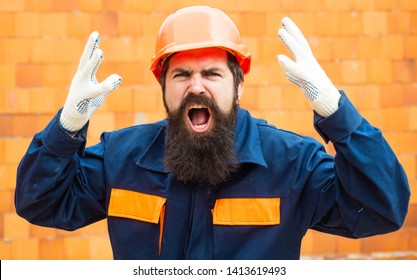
{"x": 199, "y": 118}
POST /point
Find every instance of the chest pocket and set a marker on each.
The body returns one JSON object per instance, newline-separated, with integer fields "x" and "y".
{"x": 247, "y": 211}
{"x": 135, "y": 205}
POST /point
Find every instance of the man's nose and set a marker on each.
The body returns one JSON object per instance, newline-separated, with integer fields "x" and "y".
{"x": 197, "y": 84}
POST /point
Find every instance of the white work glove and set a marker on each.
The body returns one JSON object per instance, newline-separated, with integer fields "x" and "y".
{"x": 86, "y": 94}
{"x": 306, "y": 71}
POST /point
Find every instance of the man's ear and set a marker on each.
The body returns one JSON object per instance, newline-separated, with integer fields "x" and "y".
{"x": 239, "y": 92}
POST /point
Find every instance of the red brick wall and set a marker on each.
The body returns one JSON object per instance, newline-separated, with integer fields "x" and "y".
{"x": 367, "y": 47}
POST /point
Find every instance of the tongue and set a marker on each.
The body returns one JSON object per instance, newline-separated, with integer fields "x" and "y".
{"x": 199, "y": 116}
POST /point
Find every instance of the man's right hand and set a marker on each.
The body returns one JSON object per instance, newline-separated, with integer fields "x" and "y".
{"x": 86, "y": 94}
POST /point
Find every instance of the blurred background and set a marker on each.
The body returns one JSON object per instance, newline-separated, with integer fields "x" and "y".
{"x": 367, "y": 47}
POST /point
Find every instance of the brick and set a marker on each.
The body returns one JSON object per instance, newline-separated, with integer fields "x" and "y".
{"x": 247, "y": 26}
{"x": 106, "y": 23}
{"x": 380, "y": 71}
{"x": 386, "y": 4}
{"x": 412, "y": 117}
{"x": 363, "y": 5}
{"x": 25, "y": 249}
{"x": 369, "y": 47}
{"x": 288, "y": 5}
{"x": 410, "y": 45}
{"x": 411, "y": 218}
{"x": 16, "y": 100}
{"x": 327, "y": 24}
{"x": 413, "y": 23}
{"x": 96, "y": 229}
{"x": 407, "y": 4}
{"x": 15, "y": 226}
{"x": 100, "y": 122}
{"x": 409, "y": 164}
{"x": 100, "y": 248}
{"x": 39, "y": 5}
{"x": 375, "y": 23}
{"x": 118, "y": 49}
{"x": 395, "y": 241}
{"x": 120, "y": 101}
{"x": 407, "y": 139}
{"x": 258, "y": 74}
{"x": 333, "y": 70}
{"x": 395, "y": 118}
{"x": 56, "y": 75}
{"x": 53, "y": 24}
{"x": 292, "y": 98}
{"x": 42, "y": 100}
{"x": 324, "y": 243}
{"x": 348, "y": 246}
{"x": 399, "y": 22}
{"x": 79, "y": 24}
{"x": 29, "y": 75}
{"x": 413, "y": 189}
{"x": 305, "y": 21}
{"x": 89, "y": 6}
{"x": 15, "y": 149}
{"x": 250, "y": 98}
{"x": 269, "y": 98}
{"x": 130, "y": 24}
{"x": 7, "y": 75}
{"x": 344, "y": 47}
{"x": 268, "y": 49}
{"x": 63, "y": 6}
{"x": 6, "y": 126}
{"x": 354, "y": 71}
{"x": 7, "y": 24}
{"x": 51, "y": 249}
{"x": 350, "y": 23}
{"x": 403, "y": 71}
{"x": 42, "y": 232}
{"x": 12, "y": 5}
{"x": 15, "y": 50}
{"x": 413, "y": 239}
{"x": 307, "y": 244}
{"x": 7, "y": 177}
{"x": 392, "y": 47}
{"x": 27, "y": 24}
{"x": 392, "y": 96}
{"x": 6, "y": 202}
{"x": 342, "y": 5}
{"x": 75, "y": 248}
{"x": 5, "y": 249}
{"x": 124, "y": 120}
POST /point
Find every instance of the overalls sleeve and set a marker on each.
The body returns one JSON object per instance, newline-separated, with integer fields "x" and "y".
{"x": 371, "y": 187}
{"x": 59, "y": 183}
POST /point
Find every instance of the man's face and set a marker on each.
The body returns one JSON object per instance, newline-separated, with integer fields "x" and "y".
{"x": 201, "y": 72}
{"x": 201, "y": 103}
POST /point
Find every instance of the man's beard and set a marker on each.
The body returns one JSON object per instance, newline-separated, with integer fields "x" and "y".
{"x": 207, "y": 158}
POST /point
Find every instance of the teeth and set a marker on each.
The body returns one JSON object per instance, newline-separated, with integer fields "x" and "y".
{"x": 195, "y": 106}
{"x": 200, "y": 126}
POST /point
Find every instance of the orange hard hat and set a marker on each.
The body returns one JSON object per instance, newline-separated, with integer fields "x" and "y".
{"x": 195, "y": 28}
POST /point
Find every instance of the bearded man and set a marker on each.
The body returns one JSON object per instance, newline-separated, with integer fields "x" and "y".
{"x": 210, "y": 181}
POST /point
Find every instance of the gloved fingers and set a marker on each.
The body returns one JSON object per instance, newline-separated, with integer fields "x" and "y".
{"x": 93, "y": 64}
{"x": 290, "y": 66}
{"x": 90, "y": 47}
{"x": 295, "y": 33}
{"x": 291, "y": 44}
{"x": 108, "y": 85}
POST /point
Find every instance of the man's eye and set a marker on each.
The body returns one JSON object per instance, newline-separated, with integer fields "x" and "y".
{"x": 181, "y": 74}
{"x": 212, "y": 73}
